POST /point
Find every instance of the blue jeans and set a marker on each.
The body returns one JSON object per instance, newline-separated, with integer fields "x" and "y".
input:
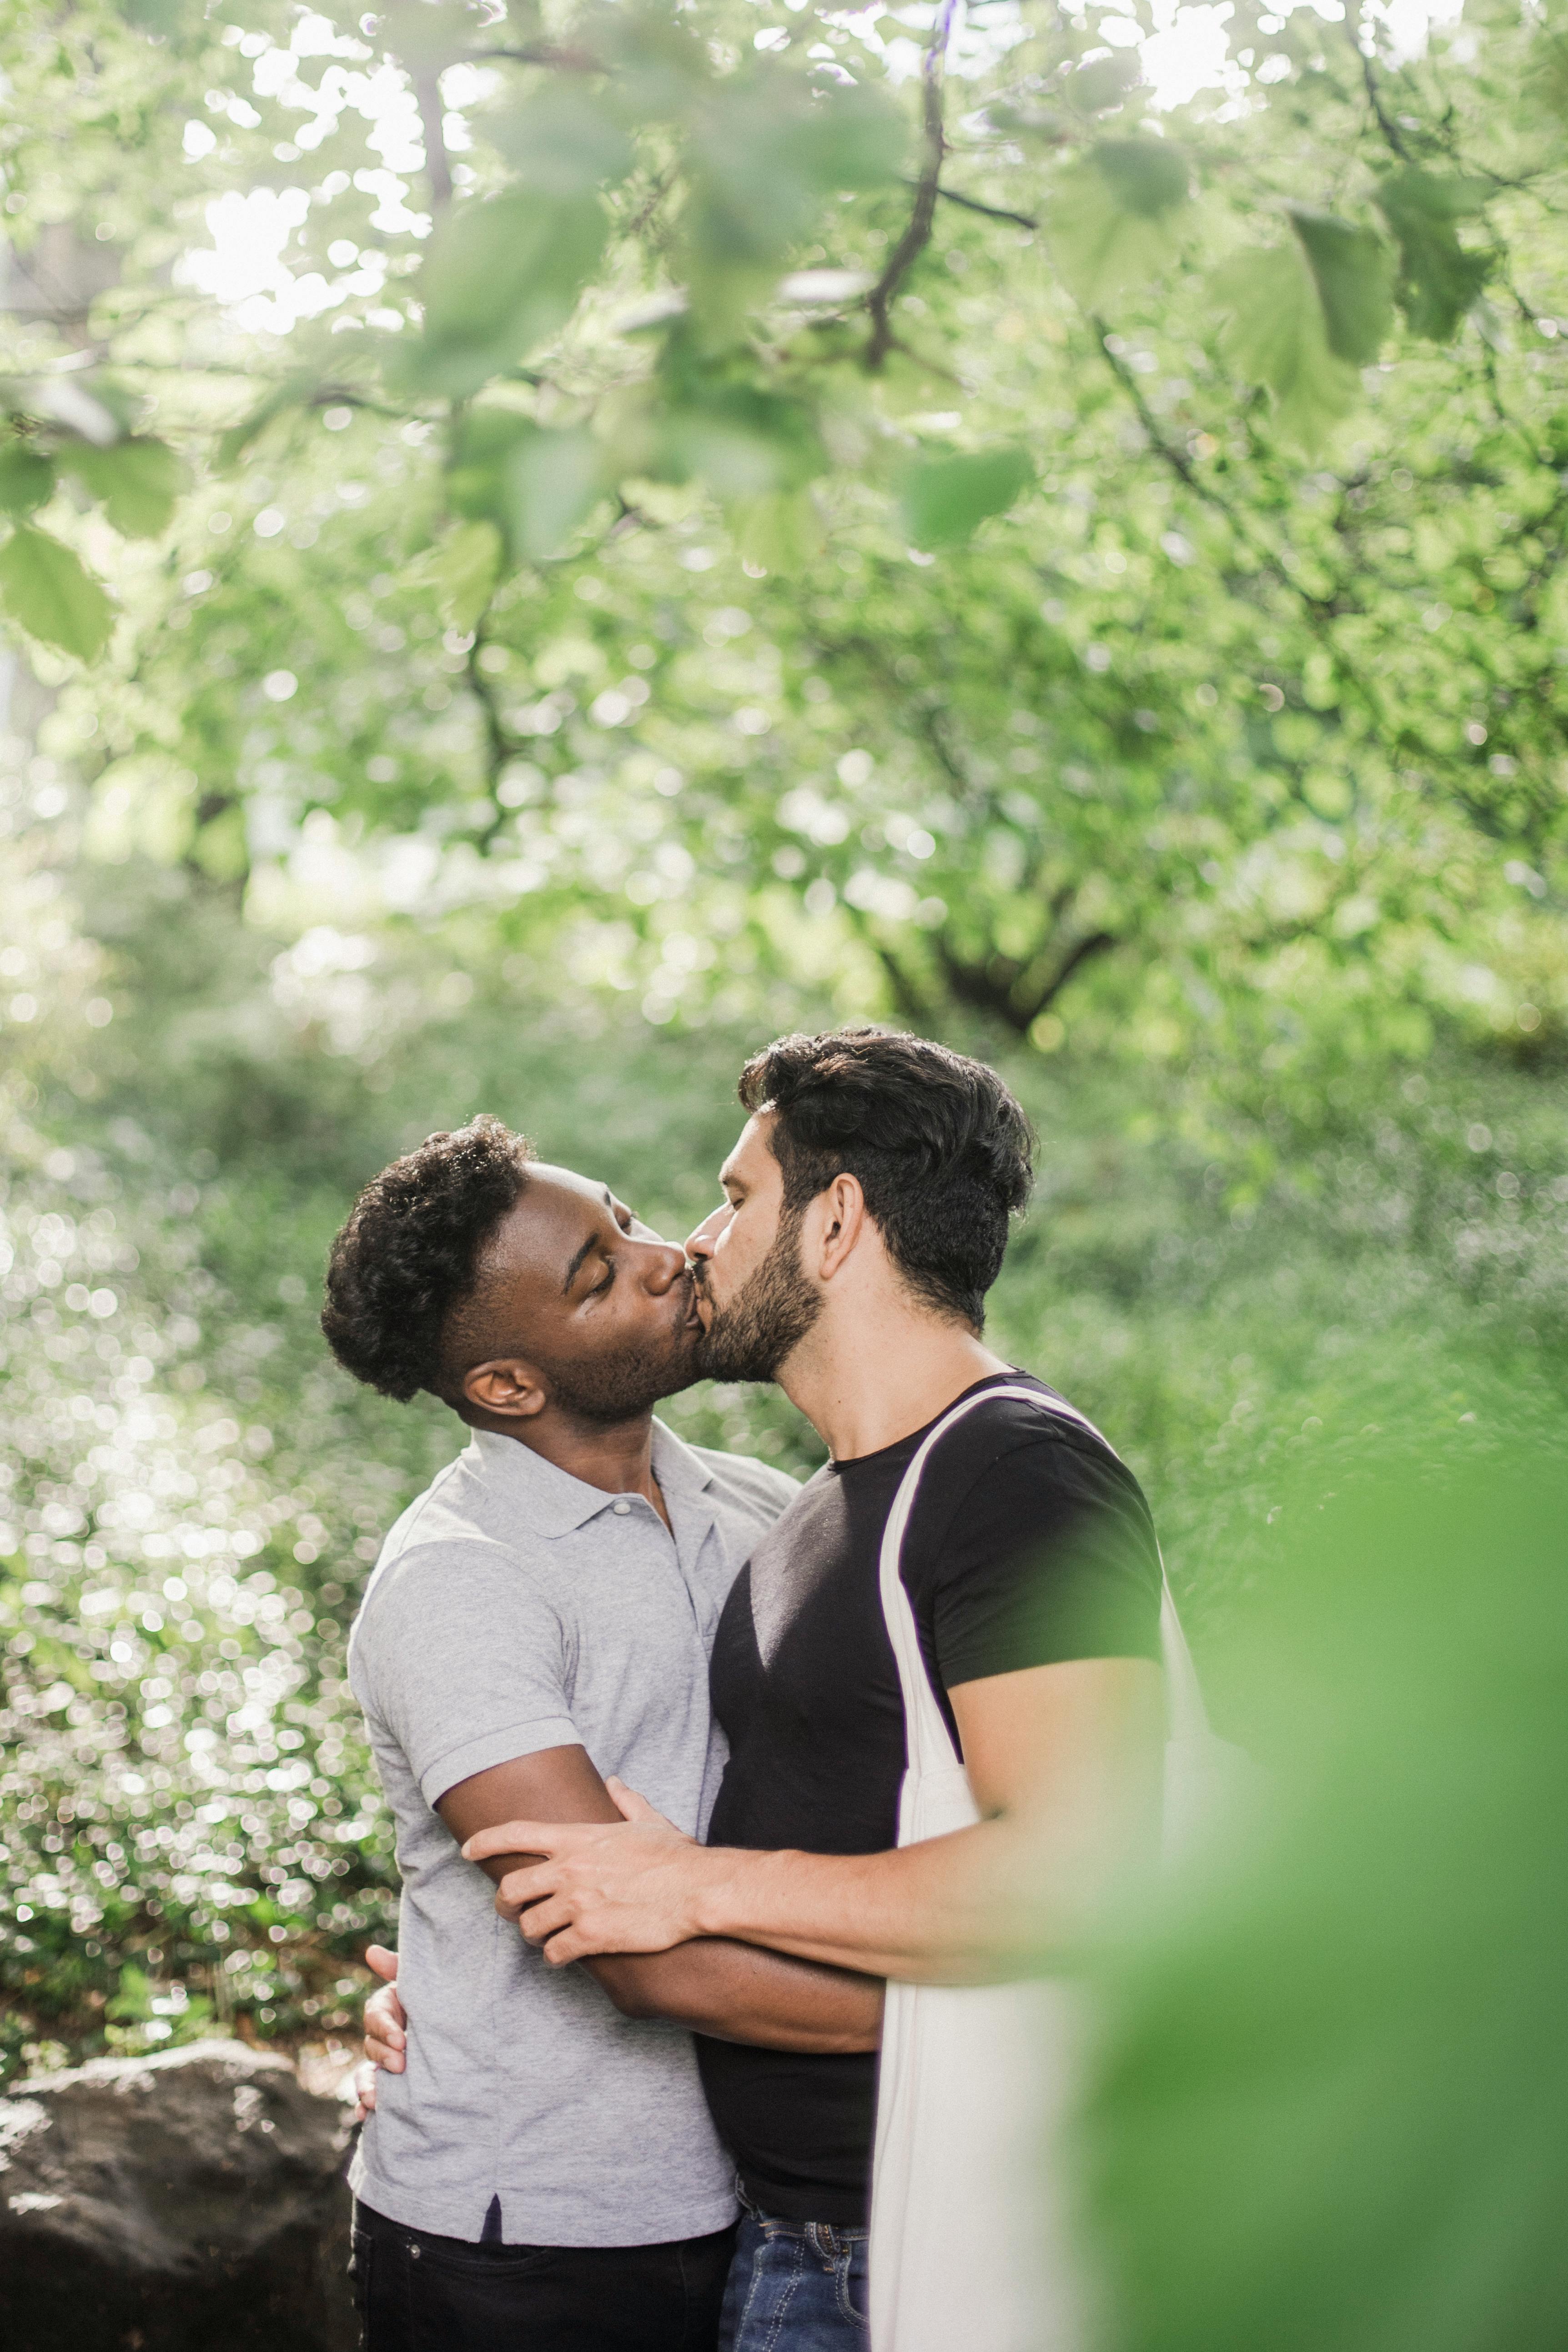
{"x": 794, "y": 2286}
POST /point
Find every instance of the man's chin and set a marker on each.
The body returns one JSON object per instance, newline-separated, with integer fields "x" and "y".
{"x": 717, "y": 1361}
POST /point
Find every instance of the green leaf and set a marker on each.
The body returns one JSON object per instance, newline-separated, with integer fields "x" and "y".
{"x": 767, "y": 152}
{"x": 498, "y": 277}
{"x": 160, "y": 19}
{"x": 27, "y": 480}
{"x": 221, "y": 847}
{"x": 46, "y": 591}
{"x": 139, "y": 481}
{"x": 1104, "y": 83}
{"x": 743, "y": 442}
{"x": 943, "y": 499}
{"x": 1354, "y": 271}
{"x": 463, "y": 570}
{"x": 1112, "y": 217}
{"x": 1276, "y": 335}
{"x": 782, "y": 531}
{"x": 1548, "y": 77}
{"x": 428, "y": 35}
{"x": 552, "y": 482}
{"x": 562, "y": 141}
{"x": 133, "y": 1999}
{"x": 1438, "y": 279}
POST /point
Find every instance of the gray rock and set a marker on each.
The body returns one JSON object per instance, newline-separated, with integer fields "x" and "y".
{"x": 188, "y": 2202}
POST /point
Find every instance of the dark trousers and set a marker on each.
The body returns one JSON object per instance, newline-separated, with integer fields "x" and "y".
{"x": 419, "y": 2292}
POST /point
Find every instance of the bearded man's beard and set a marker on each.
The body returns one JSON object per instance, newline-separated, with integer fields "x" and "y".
{"x": 627, "y": 1386}
{"x": 767, "y": 1319}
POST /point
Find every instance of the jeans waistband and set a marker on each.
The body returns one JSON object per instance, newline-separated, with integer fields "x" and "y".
{"x": 828, "y": 2235}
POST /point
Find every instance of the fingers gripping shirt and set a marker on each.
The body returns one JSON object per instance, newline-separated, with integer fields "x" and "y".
{"x": 515, "y": 1609}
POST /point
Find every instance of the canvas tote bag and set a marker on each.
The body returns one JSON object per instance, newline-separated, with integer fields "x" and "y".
{"x": 971, "y": 2239}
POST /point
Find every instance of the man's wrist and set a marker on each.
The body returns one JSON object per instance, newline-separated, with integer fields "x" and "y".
{"x": 715, "y": 1908}
{"x": 731, "y": 1889}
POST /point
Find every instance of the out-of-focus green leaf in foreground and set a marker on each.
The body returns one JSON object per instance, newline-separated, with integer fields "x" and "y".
{"x": 1333, "y": 2112}
{"x": 945, "y": 499}
{"x": 44, "y": 588}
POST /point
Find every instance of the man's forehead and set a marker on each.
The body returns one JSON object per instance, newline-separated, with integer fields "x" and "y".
{"x": 555, "y": 1202}
{"x": 592, "y": 1189}
{"x": 751, "y": 1156}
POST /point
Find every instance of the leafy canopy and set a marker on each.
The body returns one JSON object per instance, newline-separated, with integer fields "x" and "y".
{"x": 716, "y": 489}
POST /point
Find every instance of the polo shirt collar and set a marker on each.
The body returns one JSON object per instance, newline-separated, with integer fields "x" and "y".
{"x": 556, "y": 1504}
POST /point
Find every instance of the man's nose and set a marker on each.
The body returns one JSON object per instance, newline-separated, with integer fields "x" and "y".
{"x": 700, "y": 1245}
{"x": 666, "y": 1265}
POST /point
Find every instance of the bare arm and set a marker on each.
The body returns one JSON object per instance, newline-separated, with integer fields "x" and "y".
{"x": 730, "y": 1990}
{"x": 1065, "y": 1763}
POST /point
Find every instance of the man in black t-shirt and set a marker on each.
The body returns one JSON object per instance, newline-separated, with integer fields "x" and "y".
{"x": 865, "y": 1214}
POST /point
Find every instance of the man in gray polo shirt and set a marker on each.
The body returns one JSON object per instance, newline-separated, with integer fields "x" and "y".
{"x": 539, "y": 1621}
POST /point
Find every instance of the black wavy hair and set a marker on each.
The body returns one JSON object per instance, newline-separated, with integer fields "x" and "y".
{"x": 408, "y": 1255}
{"x": 942, "y": 1152}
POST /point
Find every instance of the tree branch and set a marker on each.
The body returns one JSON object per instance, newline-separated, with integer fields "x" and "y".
{"x": 918, "y": 229}
{"x": 538, "y": 53}
{"x": 1385, "y": 120}
{"x": 974, "y": 204}
{"x": 1003, "y": 986}
{"x": 437, "y": 163}
{"x": 1097, "y": 943}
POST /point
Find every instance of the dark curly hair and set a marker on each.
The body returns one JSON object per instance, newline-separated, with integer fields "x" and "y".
{"x": 942, "y": 1152}
{"x": 409, "y": 1252}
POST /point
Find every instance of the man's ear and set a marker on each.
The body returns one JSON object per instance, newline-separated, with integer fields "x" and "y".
{"x": 510, "y": 1388}
{"x": 841, "y": 1221}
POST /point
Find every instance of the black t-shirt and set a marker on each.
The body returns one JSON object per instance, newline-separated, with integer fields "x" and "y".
{"x": 1030, "y": 1543}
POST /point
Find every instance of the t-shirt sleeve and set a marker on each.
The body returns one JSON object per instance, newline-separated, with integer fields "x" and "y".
{"x": 465, "y": 1662}
{"x": 1048, "y": 1554}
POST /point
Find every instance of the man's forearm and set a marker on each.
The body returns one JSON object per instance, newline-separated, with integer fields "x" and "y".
{"x": 1063, "y": 1762}
{"x": 956, "y": 1910}
{"x": 737, "y": 1993}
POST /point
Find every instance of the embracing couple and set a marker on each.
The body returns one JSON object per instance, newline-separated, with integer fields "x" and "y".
{"x": 664, "y": 1698}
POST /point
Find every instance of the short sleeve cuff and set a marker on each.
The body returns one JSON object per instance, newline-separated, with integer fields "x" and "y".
{"x": 482, "y": 1754}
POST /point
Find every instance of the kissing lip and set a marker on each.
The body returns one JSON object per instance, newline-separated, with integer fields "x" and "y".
{"x": 702, "y": 1309}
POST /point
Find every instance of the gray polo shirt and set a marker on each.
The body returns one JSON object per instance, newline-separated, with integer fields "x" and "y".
{"x": 513, "y": 1609}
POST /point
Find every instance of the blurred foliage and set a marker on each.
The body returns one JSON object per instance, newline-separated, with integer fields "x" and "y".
{"x": 192, "y": 1495}
{"x": 1331, "y": 2112}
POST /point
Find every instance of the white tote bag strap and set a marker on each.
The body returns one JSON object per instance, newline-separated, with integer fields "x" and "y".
{"x": 929, "y": 1743}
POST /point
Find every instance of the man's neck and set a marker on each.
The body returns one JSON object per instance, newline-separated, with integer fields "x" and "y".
{"x": 615, "y": 1456}
{"x": 867, "y": 1387}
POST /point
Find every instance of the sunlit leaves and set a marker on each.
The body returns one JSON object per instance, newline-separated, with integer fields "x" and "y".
{"x": 1276, "y": 333}
{"x": 501, "y": 276}
{"x": 1439, "y": 279}
{"x": 45, "y": 590}
{"x": 944, "y": 500}
{"x": 463, "y": 570}
{"x": 139, "y": 481}
{"x": 293, "y": 392}
{"x": 1112, "y": 217}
